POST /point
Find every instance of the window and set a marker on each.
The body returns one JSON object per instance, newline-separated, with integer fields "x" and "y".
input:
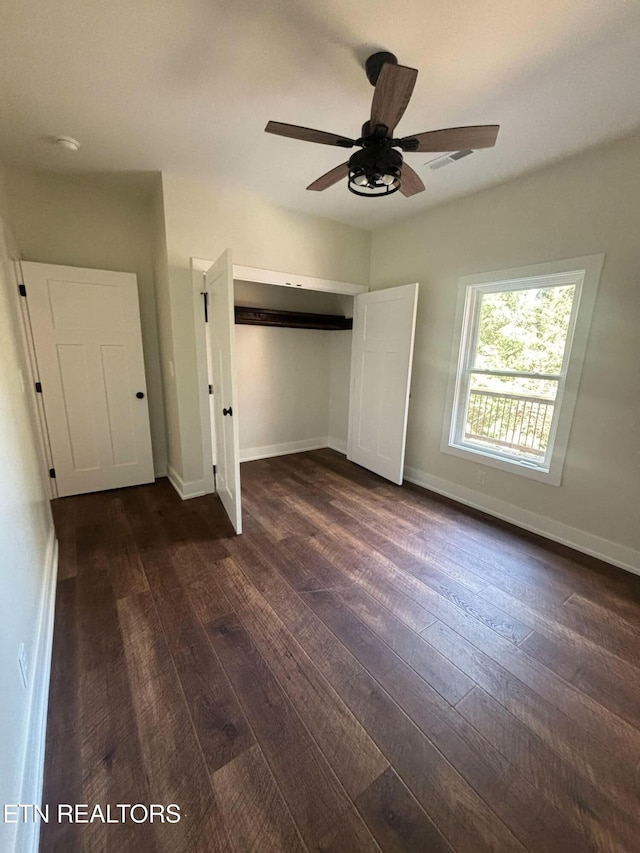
{"x": 521, "y": 345}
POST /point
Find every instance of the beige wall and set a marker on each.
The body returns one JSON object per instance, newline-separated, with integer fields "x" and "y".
{"x": 202, "y": 220}
{"x": 285, "y": 376}
{"x": 99, "y": 221}
{"x": 165, "y": 331}
{"x": 339, "y": 389}
{"x": 283, "y": 386}
{"x": 585, "y": 205}
{"x": 27, "y": 580}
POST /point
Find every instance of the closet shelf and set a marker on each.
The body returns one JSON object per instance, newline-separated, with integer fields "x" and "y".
{"x": 290, "y": 319}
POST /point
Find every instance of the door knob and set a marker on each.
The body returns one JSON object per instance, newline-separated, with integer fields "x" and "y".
{"x": 140, "y": 395}
{"x": 228, "y": 411}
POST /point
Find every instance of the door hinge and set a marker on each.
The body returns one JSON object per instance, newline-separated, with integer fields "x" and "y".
{"x": 205, "y": 296}
{"x": 215, "y": 470}
{"x": 38, "y": 387}
{"x": 52, "y": 473}
{"x": 211, "y": 389}
{"x": 22, "y": 290}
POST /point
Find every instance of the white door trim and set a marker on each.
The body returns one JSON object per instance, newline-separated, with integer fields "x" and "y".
{"x": 199, "y": 266}
{"x": 26, "y": 334}
{"x": 285, "y": 279}
{"x": 198, "y": 269}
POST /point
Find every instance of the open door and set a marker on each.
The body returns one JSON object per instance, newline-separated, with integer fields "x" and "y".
{"x": 221, "y": 332}
{"x": 384, "y": 325}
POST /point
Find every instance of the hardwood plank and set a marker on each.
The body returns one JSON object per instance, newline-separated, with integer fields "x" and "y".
{"x": 314, "y": 796}
{"x": 571, "y": 625}
{"x": 353, "y": 567}
{"x": 281, "y": 522}
{"x": 348, "y": 836}
{"x": 451, "y": 803}
{"x": 174, "y": 765}
{"x": 435, "y": 669}
{"x": 601, "y": 675}
{"x": 556, "y": 779}
{"x": 490, "y": 656}
{"x": 125, "y": 568}
{"x": 349, "y": 750}
{"x": 500, "y": 786}
{"x": 605, "y": 608}
{"x": 501, "y": 545}
{"x": 397, "y": 821}
{"x": 435, "y": 600}
{"x": 110, "y": 755}
{"x": 330, "y": 702}
{"x": 296, "y": 560}
{"x": 220, "y": 725}
{"x": 255, "y": 815}
{"x": 558, "y": 727}
{"x": 190, "y": 531}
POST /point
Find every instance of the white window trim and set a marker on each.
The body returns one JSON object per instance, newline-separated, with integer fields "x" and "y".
{"x": 588, "y": 269}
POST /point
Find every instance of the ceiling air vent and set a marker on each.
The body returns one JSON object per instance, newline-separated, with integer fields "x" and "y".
{"x": 446, "y": 159}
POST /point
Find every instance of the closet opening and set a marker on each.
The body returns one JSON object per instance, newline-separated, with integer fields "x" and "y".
{"x": 289, "y": 363}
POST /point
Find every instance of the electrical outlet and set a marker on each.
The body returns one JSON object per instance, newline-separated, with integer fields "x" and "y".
{"x": 23, "y": 663}
{"x": 481, "y": 477}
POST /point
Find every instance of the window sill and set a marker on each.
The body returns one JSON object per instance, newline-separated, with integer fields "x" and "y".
{"x": 550, "y": 477}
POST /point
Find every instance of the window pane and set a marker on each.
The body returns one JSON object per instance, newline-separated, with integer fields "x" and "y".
{"x": 511, "y": 415}
{"x": 524, "y": 329}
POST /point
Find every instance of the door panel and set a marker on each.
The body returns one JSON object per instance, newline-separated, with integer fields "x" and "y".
{"x": 221, "y": 332}
{"x": 88, "y": 344}
{"x": 382, "y": 355}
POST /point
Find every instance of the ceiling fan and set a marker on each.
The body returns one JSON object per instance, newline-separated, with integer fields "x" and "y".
{"x": 378, "y": 169}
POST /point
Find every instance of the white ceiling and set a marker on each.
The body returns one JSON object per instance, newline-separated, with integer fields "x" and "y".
{"x": 189, "y": 86}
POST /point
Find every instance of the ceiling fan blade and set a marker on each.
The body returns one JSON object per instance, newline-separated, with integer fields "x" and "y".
{"x": 307, "y": 134}
{"x": 411, "y": 181}
{"x": 330, "y": 178}
{"x": 391, "y": 96}
{"x": 452, "y": 139}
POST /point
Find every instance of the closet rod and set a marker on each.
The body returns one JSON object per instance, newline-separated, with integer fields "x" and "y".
{"x": 290, "y": 319}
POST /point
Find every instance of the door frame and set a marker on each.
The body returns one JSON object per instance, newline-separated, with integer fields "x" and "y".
{"x": 199, "y": 266}
{"x": 33, "y": 376}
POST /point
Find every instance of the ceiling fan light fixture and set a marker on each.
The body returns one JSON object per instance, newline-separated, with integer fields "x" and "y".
{"x": 375, "y": 171}
{"x": 373, "y": 185}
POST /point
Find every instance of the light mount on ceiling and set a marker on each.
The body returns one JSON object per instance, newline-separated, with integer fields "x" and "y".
{"x": 376, "y": 170}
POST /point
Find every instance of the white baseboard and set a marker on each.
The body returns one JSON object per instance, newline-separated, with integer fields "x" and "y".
{"x": 28, "y": 834}
{"x": 186, "y": 490}
{"x": 249, "y": 454}
{"x": 337, "y": 444}
{"x": 580, "y": 540}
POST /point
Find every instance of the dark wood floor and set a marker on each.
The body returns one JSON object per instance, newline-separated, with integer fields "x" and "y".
{"x": 367, "y": 668}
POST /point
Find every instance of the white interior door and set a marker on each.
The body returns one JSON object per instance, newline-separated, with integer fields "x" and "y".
{"x": 384, "y": 324}
{"x": 221, "y": 331}
{"x": 88, "y": 344}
